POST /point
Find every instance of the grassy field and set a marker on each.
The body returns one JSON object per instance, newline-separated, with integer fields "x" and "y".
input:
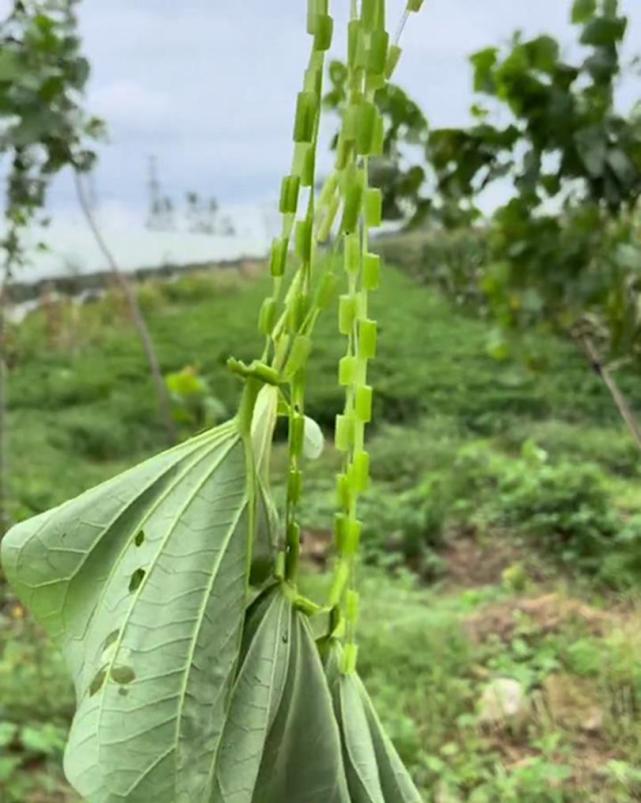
{"x": 503, "y": 539}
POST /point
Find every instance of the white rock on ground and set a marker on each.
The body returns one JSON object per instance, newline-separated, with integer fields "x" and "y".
{"x": 503, "y": 700}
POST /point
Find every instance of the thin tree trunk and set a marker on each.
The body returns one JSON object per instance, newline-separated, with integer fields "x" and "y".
{"x": 137, "y": 318}
{"x": 5, "y": 521}
{"x": 603, "y": 371}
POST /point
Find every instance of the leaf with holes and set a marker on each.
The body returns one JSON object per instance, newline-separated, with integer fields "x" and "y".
{"x": 143, "y": 583}
{"x": 375, "y": 773}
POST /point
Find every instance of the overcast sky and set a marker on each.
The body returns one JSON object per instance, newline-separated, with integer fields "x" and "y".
{"x": 208, "y": 86}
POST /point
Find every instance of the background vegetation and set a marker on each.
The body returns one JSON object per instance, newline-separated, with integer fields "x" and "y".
{"x": 502, "y": 534}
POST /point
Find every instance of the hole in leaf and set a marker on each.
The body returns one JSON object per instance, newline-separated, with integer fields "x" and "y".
{"x": 139, "y": 539}
{"x": 136, "y": 579}
{"x": 122, "y": 675}
{"x": 111, "y": 638}
{"x": 98, "y": 682}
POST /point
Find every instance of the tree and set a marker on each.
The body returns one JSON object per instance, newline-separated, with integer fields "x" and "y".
{"x": 400, "y": 171}
{"x": 564, "y": 250}
{"x": 43, "y": 128}
{"x": 135, "y": 312}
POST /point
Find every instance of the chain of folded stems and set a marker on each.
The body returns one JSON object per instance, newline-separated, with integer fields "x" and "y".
{"x": 147, "y": 598}
{"x": 345, "y": 211}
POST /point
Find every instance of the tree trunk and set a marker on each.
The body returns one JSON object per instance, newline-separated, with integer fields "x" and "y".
{"x": 5, "y": 521}
{"x": 602, "y": 370}
{"x": 135, "y": 313}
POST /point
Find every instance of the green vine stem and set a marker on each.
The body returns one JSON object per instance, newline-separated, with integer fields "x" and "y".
{"x": 288, "y": 341}
{"x": 371, "y": 60}
{"x": 287, "y": 319}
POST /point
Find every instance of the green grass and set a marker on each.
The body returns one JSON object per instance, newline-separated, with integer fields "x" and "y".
{"x": 451, "y": 427}
{"x": 81, "y": 397}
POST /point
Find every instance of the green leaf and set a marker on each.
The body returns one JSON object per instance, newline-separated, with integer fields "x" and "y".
{"x": 592, "y": 146}
{"x": 361, "y": 767}
{"x": 10, "y": 67}
{"x": 374, "y": 771}
{"x": 543, "y": 53}
{"x": 396, "y": 783}
{"x": 622, "y": 167}
{"x": 302, "y": 758}
{"x": 583, "y": 11}
{"x": 314, "y": 440}
{"x": 270, "y": 750}
{"x": 256, "y": 698}
{"x": 484, "y": 63}
{"x": 604, "y": 31}
{"x": 142, "y": 581}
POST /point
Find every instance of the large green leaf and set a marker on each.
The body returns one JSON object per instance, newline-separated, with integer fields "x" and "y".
{"x": 374, "y": 770}
{"x": 301, "y": 760}
{"x": 142, "y": 581}
{"x": 396, "y": 783}
{"x": 281, "y": 741}
{"x": 358, "y": 749}
{"x": 256, "y": 698}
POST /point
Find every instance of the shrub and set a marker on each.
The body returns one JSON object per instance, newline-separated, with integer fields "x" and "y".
{"x": 566, "y": 506}
{"x": 399, "y": 528}
{"x": 93, "y": 437}
{"x": 194, "y": 407}
{"x": 400, "y": 456}
{"x": 612, "y": 448}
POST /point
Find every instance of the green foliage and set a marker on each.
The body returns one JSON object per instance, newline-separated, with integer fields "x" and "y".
{"x": 399, "y": 529}
{"x": 564, "y": 249}
{"x": 194, "y": 406}
{"x": 568, "y": 509}
{"x": 372, "y": 767}
{"x": 125, "y": 521}
{"x": 419, "y": 665}
{"x": 537, "y": 780}
{"x": 28, "y": 757}
{"x": 92, "y": 437}
{"x": 610, "y": 448}
{"x": 107, "y": 371}
{"x": 565, "y": 504}
{"x": 191, "y": 684}
{"x": 394, "y": 171}
{"x": 42, "y": 76}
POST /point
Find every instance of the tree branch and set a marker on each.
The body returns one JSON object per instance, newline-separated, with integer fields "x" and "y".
{"x": 137, "y": 318}
{"x": 604, "y": 372}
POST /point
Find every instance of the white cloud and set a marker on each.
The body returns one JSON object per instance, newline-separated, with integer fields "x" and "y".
{"x": 209, "y": 85}
{"x": 129, "y": 104}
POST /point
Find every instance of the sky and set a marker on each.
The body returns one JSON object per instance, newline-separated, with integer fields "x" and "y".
{"x": 208, "y": 86}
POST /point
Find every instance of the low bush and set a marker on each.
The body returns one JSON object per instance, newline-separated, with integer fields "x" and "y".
{"x": 399, "y": 528}
{"x": 611, "y": 448}
{"x": 565, "y": 506}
